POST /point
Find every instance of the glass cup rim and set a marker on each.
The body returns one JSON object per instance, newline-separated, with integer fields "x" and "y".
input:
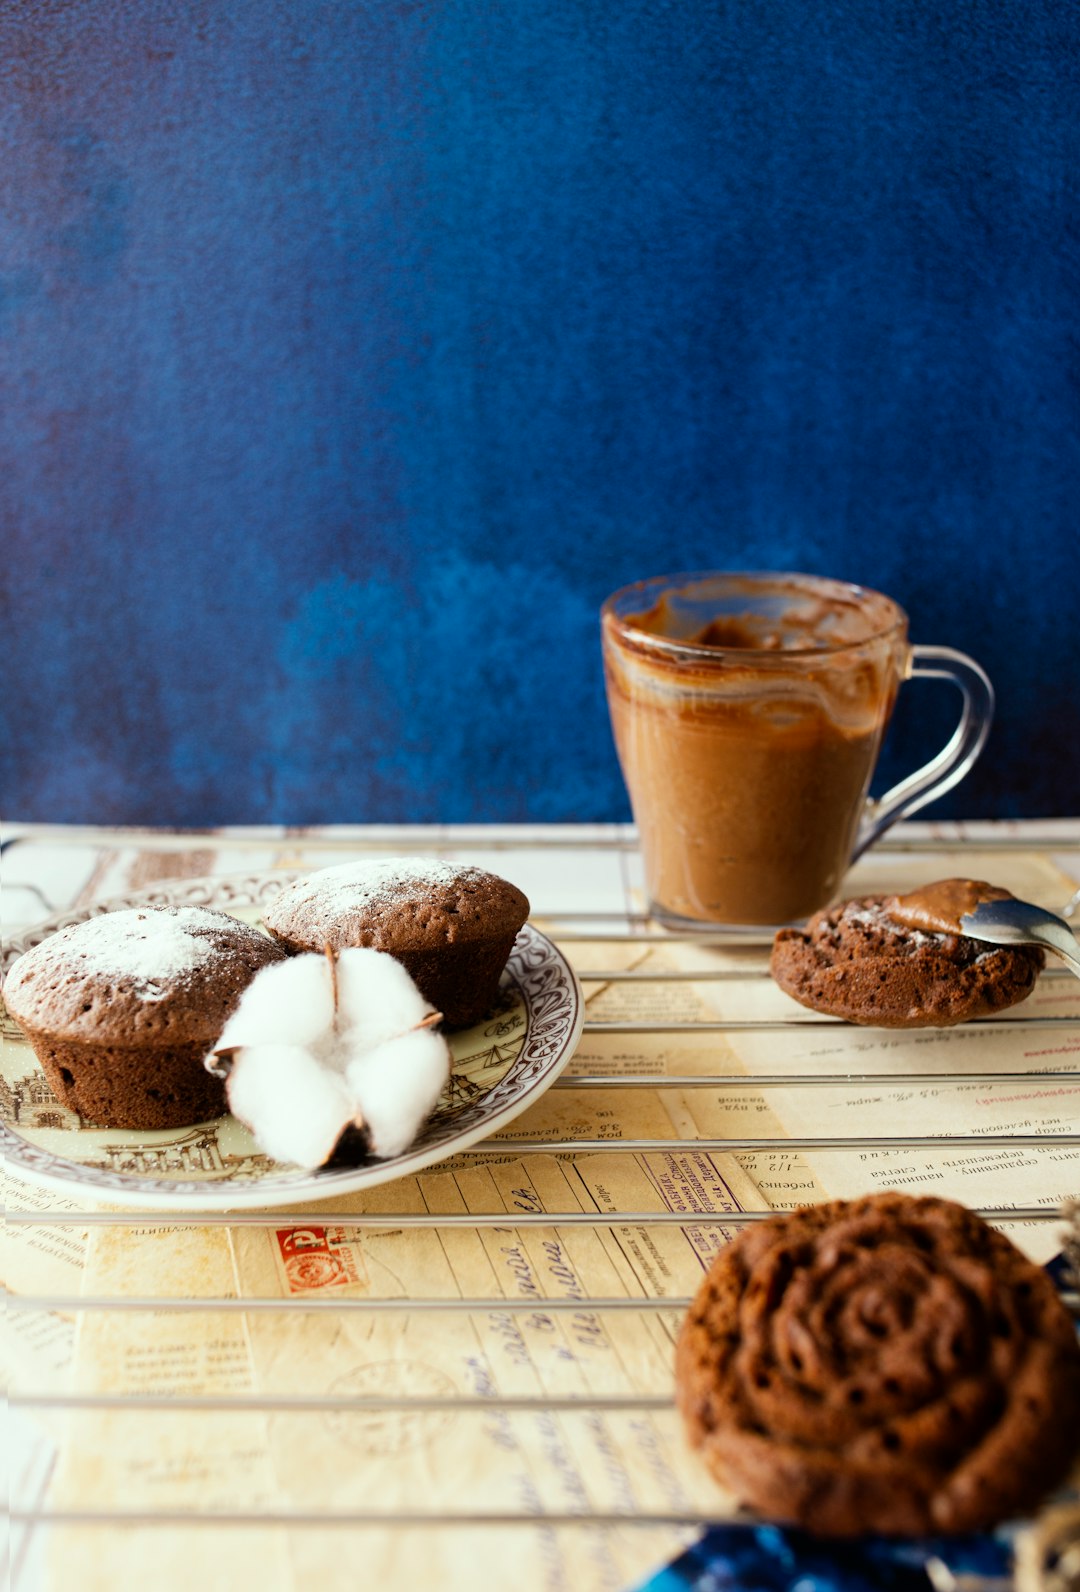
{"x": 683, "y": 649}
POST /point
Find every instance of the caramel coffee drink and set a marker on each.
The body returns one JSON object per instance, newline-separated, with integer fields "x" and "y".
{"x": 748, "y": 711}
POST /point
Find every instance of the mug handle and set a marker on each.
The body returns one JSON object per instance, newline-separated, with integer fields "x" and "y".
{"x": 954, "y": 760}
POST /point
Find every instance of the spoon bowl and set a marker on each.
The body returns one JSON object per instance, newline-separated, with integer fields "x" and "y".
{"x": 1023, "y": 923}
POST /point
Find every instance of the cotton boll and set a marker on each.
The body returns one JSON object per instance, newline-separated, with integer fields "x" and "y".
{"x": 377, "y": 999}
{"x": 395, "y": 1086}
{"x": 293, "y": 1007}
{"x": 296, "y": 1107}
{"x": 302, "y": 1065}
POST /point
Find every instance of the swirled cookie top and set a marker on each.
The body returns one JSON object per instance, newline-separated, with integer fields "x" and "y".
{"x": 890, "y": 1364}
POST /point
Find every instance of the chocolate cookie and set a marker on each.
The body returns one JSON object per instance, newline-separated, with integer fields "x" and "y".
{"x": 885, "y": 1364}
{"x": 452, "y": 927}
{"x": 855, "y": 961}
{"x": 121, "y": 1010}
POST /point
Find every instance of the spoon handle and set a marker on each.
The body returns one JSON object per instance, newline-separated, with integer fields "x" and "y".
{"x": 1062, "y": 941}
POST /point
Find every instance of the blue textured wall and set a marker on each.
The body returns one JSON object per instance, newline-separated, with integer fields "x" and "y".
{"x": 351, "y": 353}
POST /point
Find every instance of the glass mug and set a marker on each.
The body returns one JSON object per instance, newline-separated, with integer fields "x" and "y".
{"x": 748, "y": 711}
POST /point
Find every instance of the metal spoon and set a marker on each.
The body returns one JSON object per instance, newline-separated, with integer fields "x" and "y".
{"x": 1022, "y": 923}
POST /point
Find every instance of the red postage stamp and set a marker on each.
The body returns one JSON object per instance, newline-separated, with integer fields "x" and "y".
{"x": 318, "y": 1257}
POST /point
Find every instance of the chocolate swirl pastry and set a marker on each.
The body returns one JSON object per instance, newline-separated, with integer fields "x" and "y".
{"x": 885, "y": 1364}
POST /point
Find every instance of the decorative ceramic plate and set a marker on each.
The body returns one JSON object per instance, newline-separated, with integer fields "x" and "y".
{"x": 500, "y": 1067}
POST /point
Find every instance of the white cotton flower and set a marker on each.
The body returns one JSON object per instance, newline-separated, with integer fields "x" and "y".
{"x": 295, "y": 1008}
{"x": 330, "y": 1044}
{"x": 399, "y": 1082}
{"x": 296, "y": 1107}
{"x": 378, "y": 996}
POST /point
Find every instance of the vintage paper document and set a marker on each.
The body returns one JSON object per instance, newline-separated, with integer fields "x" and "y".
{"x": 38, "y": 1347}
{"x": 163, "y": 1460}
{"x": 471, "y": 1460}
{"x": 541, "y": 1401}
{"x": 453, "y": 1460}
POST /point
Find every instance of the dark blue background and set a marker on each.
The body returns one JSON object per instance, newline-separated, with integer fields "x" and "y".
{"x": 353, "y": 352}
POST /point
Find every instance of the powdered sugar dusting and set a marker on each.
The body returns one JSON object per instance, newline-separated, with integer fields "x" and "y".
{"x": 372, "y": 882}
{"x": 875, "y": 917}
{"x": 151, "y": 948}
{"x": 872, "y": 916}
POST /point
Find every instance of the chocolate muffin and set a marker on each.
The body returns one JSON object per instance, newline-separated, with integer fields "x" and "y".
{"x": 857, "y": 962}
{"x": 885, "y": 1364}
{"x": 121, "y": 1010}
{"x": 452, "y": 927}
